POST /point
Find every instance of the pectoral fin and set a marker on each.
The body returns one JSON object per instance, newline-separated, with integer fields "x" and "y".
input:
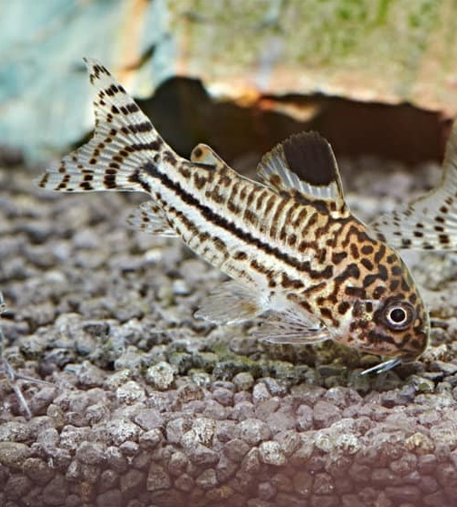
{"x": 292, "y": 327}
{"x": 383, "y": 367}
{"x": 231, "y": 303}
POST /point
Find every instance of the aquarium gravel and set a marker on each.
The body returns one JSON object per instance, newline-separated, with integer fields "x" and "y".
{"x": 147, "y": 406}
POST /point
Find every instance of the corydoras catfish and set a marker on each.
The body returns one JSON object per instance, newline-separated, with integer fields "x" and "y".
{"x": 290, "y": 244}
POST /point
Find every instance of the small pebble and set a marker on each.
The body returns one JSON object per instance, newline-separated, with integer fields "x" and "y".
{"x": 157, "y": 478}
{"x": 253, "y": 431}
{"x": 130, "y": 392}
{"x": 271, "y": 453}
{"x": 243, "y": 381}
{"x": 161, "y": 375}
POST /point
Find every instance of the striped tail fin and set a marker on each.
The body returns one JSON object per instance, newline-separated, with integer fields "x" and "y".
{"x": 124, "y": 140}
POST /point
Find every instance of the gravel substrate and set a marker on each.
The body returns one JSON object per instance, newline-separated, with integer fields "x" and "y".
{"x": 148, "y": 406}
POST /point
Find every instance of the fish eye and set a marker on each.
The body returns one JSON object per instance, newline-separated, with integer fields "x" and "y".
{"x": 399, "y": 315}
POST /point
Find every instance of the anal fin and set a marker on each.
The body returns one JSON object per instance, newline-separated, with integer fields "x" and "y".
{"x": 231, "y": 303}
{"x": 151, "y": 219}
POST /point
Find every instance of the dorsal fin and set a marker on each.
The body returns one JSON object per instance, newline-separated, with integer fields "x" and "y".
{"x": 204, "y": 154}
{"x": 310, "y": 155}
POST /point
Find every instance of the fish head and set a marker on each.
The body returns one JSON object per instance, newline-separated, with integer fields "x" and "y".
{"x": 389, "y": 318}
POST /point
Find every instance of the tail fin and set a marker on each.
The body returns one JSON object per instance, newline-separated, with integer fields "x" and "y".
{"x": 151, "y": 219}
{"x": 124, "y": 139}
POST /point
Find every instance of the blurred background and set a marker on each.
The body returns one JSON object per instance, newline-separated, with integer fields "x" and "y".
{"x": 373, "y": 76}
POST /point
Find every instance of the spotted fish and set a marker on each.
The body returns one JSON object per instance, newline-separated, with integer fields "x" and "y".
{"x": 290, "y": 244}
{"x": 429, "y": 222}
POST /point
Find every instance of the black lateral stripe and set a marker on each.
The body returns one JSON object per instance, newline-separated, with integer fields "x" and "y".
{"x": 222, "y": 222}
{"x": 135, "y": 177}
